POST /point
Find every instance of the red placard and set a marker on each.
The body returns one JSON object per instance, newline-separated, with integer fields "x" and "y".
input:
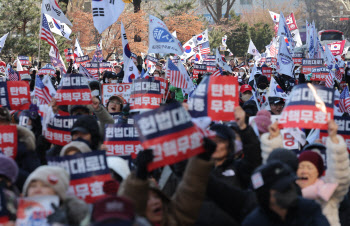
{"x": 68, "y": 53}
{"x": 222, "y": 97}
{"x": 18, "y": 94}
{"x": 8, "y": 140}
{"x": 267, "y": 71}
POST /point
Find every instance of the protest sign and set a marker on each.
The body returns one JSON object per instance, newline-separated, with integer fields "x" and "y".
{"x": 110, "y": 89}
{"x": 58, "y": 129}
{"x": 319, "y": 74}
{"x": 309, "y": 64}
{"x": 309, "y": 107}
{"x": 35, "y": 210}
{"x": 92, "y": 68}
{"x": 298, "y": 58}
{"x": 267, "y": 71}
{"x": 211, "y": 66}
{"x": 69, "y": 54}
{"x": 207, "y": 57}
{"x": 105, "y": 66}
{"x": 15, "y": 95}
{"x": 73, "y": 90}
{"x": 199, "y": 69}
{"x": 169, "y": 131}
{"x": 82, "y": 60}
{"x": 122, "y": 139}
{"x": 145, "y": 95}
{"x": 24, "y": 60}
{"x": 163, "y": 85}
{"x": 23, "y": 74}
{"x": 8, "y": 140}
{"x": 216, "y": 97}
{"x": 48, "y": 69}
{"x": 343, "y": 130}
{"x": 88, "y": 172}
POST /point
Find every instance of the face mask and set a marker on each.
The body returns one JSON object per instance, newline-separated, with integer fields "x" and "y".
{"x": 288, "y": 198}
{"x": 239, "y": 146}
{"x": 261, "y": 90}
{"x": 156, "y": 75}
{"x": 246, "y": 97}
{"x": 95, "y": 92}
{"x": 241, "y": 73}
{"x": 114, "y": 81}
{"x": 82, "y": 140}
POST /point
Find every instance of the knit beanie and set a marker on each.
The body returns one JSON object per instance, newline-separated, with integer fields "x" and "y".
{"x": 263, "y": 120}
{"x": 8, "y": 168}
{"x": 55, "y": 177}
{"x": 286, "y": 156}
{"x": 81, "y": 146}
{"x": 314, "y": 158}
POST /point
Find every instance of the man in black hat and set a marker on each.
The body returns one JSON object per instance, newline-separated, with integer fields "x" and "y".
{"x": 276, "y": 105}
{"x": 279, "y": 202}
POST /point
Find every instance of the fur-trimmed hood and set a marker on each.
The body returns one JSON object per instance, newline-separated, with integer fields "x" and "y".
{"x": 27, "y": 137}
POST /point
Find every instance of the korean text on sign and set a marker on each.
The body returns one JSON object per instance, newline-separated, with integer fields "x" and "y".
{"x": 169, "y": 131}
{"x": 88, "y": 172}
{"x": 122, "y": 139}
{"x": 309, "y": 107}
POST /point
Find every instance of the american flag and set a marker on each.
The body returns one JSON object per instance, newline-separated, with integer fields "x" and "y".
{"x": 330, "y": 80}
{"x": 272, "y": 49}
{"x": 344, "y": 101}
{"x": 177, "y": 79}
{"x": 41, "y": 91}
{"x": 12, "y": 74}
{"x": 218, "y": 72}
{"x": 205, "y": 48}
{"x": 45, "y": 34}
{"x": 338, "y": 74}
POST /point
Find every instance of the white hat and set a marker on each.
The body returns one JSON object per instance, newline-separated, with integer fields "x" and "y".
{"x": 81, "y": 146}
{"x": 118, "y": 165}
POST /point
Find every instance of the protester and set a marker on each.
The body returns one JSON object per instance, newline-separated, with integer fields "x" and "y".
{"x": 276, "y": 105}
{"x": 279, "y": 203}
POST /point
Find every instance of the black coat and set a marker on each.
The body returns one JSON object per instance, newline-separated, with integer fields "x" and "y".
{"x": 237, "y": 172}
{"x": 307, "y": 213}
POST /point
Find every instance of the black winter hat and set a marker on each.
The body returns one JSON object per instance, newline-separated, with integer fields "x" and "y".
{"x": 262, "y": 82}
{"x": 226, "y": 133}
{"x": 94, "y": 85}
{"x": 88, "y": 124}
{"x": 286, "y": 156}
{"x": 250, "y": 107}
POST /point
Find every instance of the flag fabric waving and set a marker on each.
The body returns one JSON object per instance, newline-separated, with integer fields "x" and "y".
{"x": 51, "y": 8}
{"x": 2, "y": 41}
{"x": 204, "y": 48}
{"x": 45, "y": 34}
{"x": 41, "y": 91}
{"x": 330, "y": 80}
{"x": 177, "y": 79}
{"x": 78, "y": 52}
{"x": 344, "y": 100}
{"x": 11, "y": 74}
{"x": 57, "y": 27}
{"x": 106, "y": 12}
{"x": 218, "y": 72}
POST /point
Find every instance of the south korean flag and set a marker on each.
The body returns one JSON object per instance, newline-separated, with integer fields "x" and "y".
{"x": 106, "y": 12}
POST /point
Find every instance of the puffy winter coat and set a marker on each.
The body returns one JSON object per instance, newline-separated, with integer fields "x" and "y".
{"x": 306, "y": 213}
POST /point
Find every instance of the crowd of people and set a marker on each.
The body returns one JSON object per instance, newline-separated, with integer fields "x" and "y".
{"x": 244, "y": 177}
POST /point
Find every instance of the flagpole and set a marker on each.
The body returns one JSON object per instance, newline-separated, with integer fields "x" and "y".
{"x": 41, "y": 21}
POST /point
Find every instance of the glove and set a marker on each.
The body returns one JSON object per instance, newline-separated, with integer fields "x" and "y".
{"x": 143, "y": 159}
{"x": 209, "y": 147}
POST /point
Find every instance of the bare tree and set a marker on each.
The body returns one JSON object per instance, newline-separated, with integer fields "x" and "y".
{"x": 216, "y": 8}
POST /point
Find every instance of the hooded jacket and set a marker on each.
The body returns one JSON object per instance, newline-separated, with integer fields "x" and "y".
{"x": 26, "y": 159}
{"x": 306, "y": 213}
